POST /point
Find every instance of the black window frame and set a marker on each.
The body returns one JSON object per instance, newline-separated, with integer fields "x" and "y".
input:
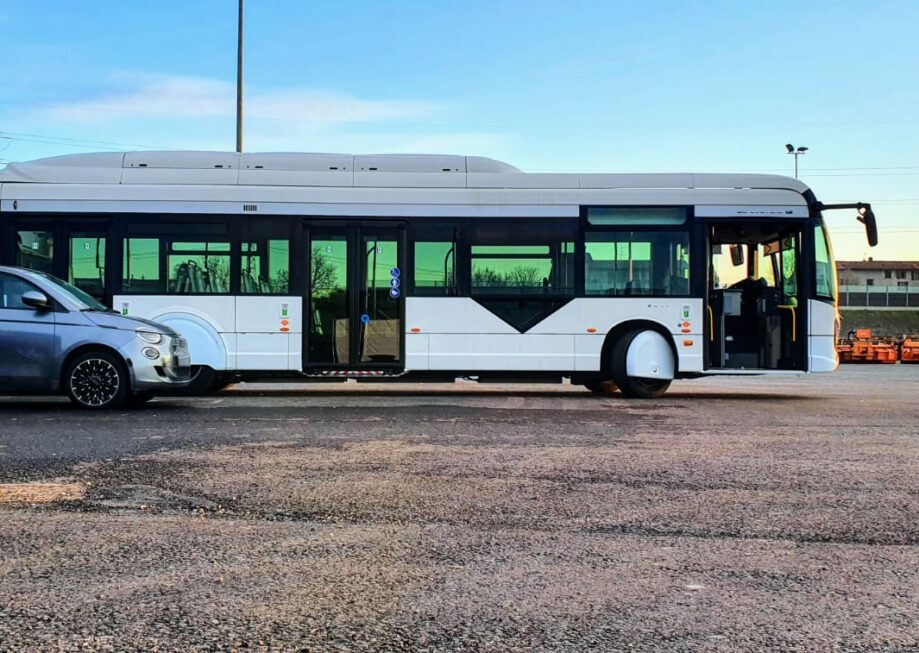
{"x": 188, "y": 228}
{"x": 514, "y": 225}
{"x": 689, "y": 227}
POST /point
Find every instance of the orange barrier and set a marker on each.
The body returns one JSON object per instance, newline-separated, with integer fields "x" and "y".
{"x": 909, "y": 350}
{"x": 863, "y": 348}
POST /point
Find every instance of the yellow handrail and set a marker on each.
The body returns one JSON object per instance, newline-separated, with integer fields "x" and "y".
{"x": 711, "y": 324}
{"x": 794, "y": 321}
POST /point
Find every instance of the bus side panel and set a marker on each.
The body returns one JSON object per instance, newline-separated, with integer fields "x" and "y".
{"x": 266, "y": 328}
{"x": 208, "y": 322}
{"x": 821, "y": 337}
{"x": 463, "y": 335}
{"x": 459, "y": 334}
{"x": 589, "y": 319}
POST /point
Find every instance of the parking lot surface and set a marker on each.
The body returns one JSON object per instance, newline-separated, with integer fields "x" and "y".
{"x": 730, "y": 515}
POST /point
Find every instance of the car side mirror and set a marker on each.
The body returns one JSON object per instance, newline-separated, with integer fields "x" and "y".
{"x": 38, "y": 301}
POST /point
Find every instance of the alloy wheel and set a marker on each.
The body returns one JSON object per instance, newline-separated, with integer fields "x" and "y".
{"x": 95, "y": 382}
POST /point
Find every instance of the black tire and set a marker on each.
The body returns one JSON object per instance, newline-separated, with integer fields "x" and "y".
{"x": 633, "y": 386}
{"x": 603, "y": 387}
{"x": 141, "y": 397}
{"x": 97, "y": 380}
{"x": 206, "y": 381}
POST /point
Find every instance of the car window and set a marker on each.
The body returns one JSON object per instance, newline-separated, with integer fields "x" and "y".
{"x": 11, "y": 291}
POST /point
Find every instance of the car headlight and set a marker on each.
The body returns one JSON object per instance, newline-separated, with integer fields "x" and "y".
{"x": 152, "y": 337}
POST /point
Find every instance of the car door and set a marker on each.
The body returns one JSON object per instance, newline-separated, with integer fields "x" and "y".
{"x": 27, "y": 339}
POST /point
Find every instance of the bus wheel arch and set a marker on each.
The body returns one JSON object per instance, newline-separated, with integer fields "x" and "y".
{"x": 205, "y": 345}
{"x": 640, "y": 358}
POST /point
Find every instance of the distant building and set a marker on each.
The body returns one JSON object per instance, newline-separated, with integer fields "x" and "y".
{"x": 899, "y": 274}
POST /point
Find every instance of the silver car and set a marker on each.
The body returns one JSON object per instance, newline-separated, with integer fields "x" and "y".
{"x": 54, "y": 338}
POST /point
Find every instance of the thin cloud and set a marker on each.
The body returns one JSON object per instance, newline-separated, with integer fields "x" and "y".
{"x": 196, "y": 97}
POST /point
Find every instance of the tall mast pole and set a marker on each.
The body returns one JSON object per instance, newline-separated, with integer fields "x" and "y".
{"x": 239, "y": 80}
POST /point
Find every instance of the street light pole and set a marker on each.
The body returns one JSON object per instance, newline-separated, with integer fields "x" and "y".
{"x": 239, "y": 80}
{"x": 795, "y": 152}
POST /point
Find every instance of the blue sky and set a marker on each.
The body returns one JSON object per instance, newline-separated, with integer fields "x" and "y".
{"x": 592, "y": 86}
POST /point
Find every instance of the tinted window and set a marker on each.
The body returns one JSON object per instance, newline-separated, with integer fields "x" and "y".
{"x": 34, "y": 250}
{"x": 87, "y": 263}
{"x": 141, "y": 266}
{"x": 434, "y": 268}
{"x": 11, "y": 291}
{"x": 637, "y": 263}
{"x": 516, "y": 258}
{"x": 265, "y": 268}
{"x": 637, "y": 215}
{"x": 198, "y": 268}
{"x": 826, "y": 267}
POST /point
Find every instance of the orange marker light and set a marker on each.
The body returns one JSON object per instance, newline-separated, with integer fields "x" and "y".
{"x": 591, "y": 330}
{"x": 416, "y": 329}
{"x": 687, "y": 343}
{"x": 285, "y": 329}
{"x": 685, "y": 330}
{"x": 285, "y": 322}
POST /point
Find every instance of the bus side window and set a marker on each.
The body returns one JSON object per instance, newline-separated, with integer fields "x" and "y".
{"x": 435, "y": 269}
{"x": 141, "y": 266}
{"x": 265, "y": 268}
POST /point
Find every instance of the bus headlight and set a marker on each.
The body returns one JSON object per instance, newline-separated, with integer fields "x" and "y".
{"x": 152, "y": 337}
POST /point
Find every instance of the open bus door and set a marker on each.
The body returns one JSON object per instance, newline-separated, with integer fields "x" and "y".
{"x": 756, "y": 310}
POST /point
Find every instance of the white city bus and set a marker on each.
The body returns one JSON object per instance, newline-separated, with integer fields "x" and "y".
{"x": 424, "y": 267}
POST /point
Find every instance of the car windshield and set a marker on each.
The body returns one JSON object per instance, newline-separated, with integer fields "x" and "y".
{"x": 89, "y": 302}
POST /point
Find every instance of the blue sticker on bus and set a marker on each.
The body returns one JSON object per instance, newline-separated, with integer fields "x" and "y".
{"x": 394, "y": 272}
{"x": 365, "y": 318}
{"x": 394, "y": 293}
{"x": 394, "y": 282}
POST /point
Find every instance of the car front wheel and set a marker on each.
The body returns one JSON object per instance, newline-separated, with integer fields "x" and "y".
{"x": 97, "y": 380}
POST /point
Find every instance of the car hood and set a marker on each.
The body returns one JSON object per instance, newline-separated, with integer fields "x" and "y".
{"x": 116, "y": 321}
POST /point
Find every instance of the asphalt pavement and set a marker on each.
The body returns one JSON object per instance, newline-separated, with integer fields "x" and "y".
{"x": 730, "y": 515}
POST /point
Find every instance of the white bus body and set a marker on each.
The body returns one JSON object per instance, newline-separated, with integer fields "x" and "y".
{"x": 542, "y": 273}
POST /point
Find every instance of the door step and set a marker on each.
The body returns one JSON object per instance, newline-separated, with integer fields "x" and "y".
{"x": 352, "y": 374}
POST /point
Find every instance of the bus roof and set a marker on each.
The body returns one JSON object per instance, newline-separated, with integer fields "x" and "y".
{"x": 349, "y": 170}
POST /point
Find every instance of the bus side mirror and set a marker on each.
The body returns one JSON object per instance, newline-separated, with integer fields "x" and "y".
{"x": 866, "y": 217}
{"x": 737, "y": 255}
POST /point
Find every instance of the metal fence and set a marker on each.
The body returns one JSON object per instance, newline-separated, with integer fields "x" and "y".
{"x": 901, "y": 297}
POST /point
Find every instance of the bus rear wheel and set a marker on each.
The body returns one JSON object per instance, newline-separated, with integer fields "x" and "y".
{"x": 633, "y": 386}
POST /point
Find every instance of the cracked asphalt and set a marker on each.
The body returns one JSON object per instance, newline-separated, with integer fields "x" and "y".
{"x": 730, "y": 515}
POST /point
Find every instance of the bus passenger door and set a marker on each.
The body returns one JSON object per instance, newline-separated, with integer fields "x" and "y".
{"x": 73, "y": 251}
{"x": 754, "y": 318}
{"x": 355, "y": 302}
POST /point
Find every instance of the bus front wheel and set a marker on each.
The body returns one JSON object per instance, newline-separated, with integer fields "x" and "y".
{"x": 206, "y": 381}
{"x": 604, "y": 387}
{"x": 633, "y": 386}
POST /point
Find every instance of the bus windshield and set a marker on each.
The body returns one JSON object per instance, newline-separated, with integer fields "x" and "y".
{"x": 825, "y": 265}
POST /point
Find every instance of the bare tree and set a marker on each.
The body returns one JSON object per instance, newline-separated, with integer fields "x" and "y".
{"x": 322, "y": 275}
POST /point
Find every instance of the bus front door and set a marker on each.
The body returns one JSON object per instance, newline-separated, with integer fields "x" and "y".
{"x": 355, "y": 301}
{"x": 756, "y": 321}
